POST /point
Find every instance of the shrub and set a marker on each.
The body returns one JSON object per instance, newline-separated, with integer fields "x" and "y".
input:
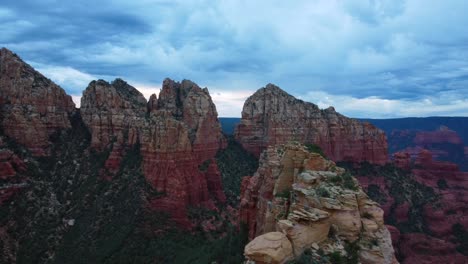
{"x": 348, "y": 182}
{"x": 315, "y": 149}
{"x": 284, "y": 194}
{"x": 321, "y": 191}
{"x": 442, "y": 184}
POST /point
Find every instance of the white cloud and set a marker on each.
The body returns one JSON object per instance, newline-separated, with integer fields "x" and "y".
{"x": 69, "y": 78}
{"x": 229, "y": 103}
{"x": 375, "y": 107}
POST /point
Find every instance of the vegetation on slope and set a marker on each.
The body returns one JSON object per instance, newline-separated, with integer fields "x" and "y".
{"x": 403, "y": 188}
{"x": 235, "y": 162}
{"x": 71, "y": 214}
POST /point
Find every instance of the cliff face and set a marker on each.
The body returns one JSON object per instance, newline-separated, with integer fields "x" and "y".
{"x": 271, "y": 116}
{"x": 32, "y": 108}
{"x": 178, "y": 135}
{"x": 298, "y": 201}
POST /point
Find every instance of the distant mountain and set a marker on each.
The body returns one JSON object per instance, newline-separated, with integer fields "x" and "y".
{"x": 457, "y": 124}
{"x": 445, "y": 137}
{"x": 228, "y": 124}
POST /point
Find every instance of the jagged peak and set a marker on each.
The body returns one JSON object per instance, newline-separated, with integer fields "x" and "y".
{"x": 275, "y": 90}
{"x": 6, "y": 51}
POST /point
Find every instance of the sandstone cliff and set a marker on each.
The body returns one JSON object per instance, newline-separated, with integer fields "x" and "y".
{"x": 32, "y": 107}
{"x": 298, "y": 201}
{"x": 178, "y": 135}
{"x": 271, "y": 116}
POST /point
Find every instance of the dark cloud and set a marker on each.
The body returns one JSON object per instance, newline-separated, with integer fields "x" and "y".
{"x": 379, "y": 51}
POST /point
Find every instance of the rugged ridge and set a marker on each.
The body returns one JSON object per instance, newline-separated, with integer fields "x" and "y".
{"x": 271, "y": 116}
{"x": 425, "y": 200}
{"x": 178, "y": 136}
{"x": 298, "y": 201}
{"x": 32, "y": 108}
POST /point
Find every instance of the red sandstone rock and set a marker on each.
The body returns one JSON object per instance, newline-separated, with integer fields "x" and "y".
{"x": 402, "y": 160}
{"x": 443, "y": 135}
{"x": 189, "y": 103}
{"x": 271, "y": 116}
{"x": 177, "y": 134}
{"x": 451, "y": 187}
{"x": 443, "y": 143}
{"x": 32, "y": 107}
{"x": 12, "y": 170}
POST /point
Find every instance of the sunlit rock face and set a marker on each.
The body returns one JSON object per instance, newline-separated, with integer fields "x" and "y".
{"x": 32, "y": 107}
{"x": 315, "y": 204}
{"x": 271, "y": 116}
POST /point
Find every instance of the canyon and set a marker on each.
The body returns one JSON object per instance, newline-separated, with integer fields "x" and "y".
{"x": 126, "y": 179}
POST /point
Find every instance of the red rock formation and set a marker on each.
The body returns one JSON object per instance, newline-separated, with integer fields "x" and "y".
{"x": 442, "y": 135}
{"x": 12, "y": 170}
{"x": 451, "y": 188}
{"x": 193, "y": 105}
{"x": 178, "y": 133}
{"x": 271, "y": 116}
{"x": 32, "y": 107}
{"x": 297, "y": 193}
{"x": 402, "y": 160}
{"x": 443, "y": 143}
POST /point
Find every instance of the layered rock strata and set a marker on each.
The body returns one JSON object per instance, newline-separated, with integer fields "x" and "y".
{"x": 314, "y": 204}
{"x": 178, "y": 135}
{"x": 32, "y": 108}
{"x": 271, "y": 116}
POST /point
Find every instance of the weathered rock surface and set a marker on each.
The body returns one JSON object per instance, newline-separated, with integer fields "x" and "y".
{"x": 271, "y": 248}
{"x": 32, "y": 107}
{"x": 12, "y": 173}
{"x": 312, "y": 202}
{"x": 178, "y": 135}
{"x": 271, "y": 117}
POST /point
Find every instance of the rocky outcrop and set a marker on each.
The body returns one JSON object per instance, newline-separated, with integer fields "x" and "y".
{"x": 427, "y": 196}
{"x": 271, "y": 117}
{"x": 178, "y": 136}
{"x": 315, "y": 204}
{"x": 273, "y": 247}
{"x": 192, "y": 105}
{"x": 32, "y": 108}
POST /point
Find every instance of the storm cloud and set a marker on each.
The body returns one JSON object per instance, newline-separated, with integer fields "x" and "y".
{"x": 369, "y": 58}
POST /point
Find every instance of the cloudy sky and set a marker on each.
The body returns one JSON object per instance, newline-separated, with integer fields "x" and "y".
{"x": 368, "y": 58}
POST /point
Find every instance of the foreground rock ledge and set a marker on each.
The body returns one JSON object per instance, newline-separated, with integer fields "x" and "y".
{"x": 300, "y": 197}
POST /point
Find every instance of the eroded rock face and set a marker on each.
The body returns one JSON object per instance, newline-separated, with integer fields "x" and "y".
{"x": 271, "y": 248}
{"x": 314, "y": 203}
{"x": 178, "y": 135}
{"x": 32, "y": 107}
{"x": 12, "y": 172}
{"x": 192, "y": 105}
{"x": 271, "y": 116}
